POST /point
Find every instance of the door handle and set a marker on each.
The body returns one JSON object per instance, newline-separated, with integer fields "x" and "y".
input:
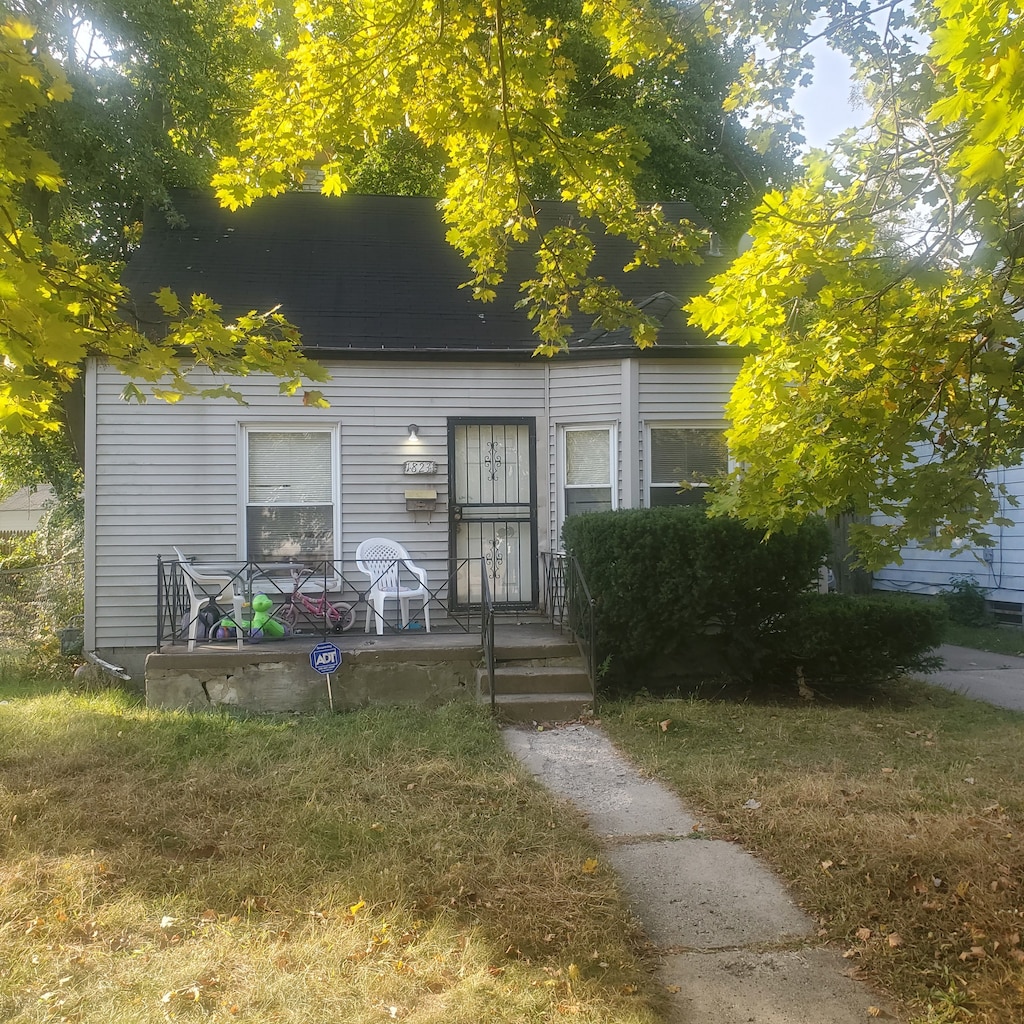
{"x": 457, "y": 513}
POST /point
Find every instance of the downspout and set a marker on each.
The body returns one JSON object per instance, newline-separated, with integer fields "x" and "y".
{"x": 550, "y": 442}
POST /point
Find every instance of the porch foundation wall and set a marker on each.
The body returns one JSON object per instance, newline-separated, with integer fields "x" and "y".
{"x": 284, "y": 681}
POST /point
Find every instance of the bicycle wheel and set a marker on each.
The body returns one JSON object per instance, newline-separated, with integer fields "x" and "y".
{"x": 341, "y": 616}
{"x": 288, "y": 614}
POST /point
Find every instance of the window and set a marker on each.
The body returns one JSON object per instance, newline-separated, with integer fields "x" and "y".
{"x": 588, "y": 470}
{"x": 289, "y": 508}
{"x": 684, "y": 455}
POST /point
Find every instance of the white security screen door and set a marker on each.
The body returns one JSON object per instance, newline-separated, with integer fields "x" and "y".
{"x": 493, "y": 510}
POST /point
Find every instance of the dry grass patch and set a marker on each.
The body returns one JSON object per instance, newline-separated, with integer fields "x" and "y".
{"x": 900, "y": 825}
{"x": 375, "y": 866}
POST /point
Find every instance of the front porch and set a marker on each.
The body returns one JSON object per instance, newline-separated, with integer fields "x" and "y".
{"x": 538, "y": 669}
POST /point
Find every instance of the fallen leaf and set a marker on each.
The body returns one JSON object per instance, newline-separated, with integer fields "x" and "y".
{"x": 969, "y": 780}
{"x": 825, "y": 865}
{"x": 874, "y": 1011}
{"x": 863, "y": 934}
{"x": 888, "y": 771}
{"x": 894, "y": 939}
{"x": 752, "y": 804}
{"x": 209, "y": 915}
{"x": 976, "y": 953}
{"x": 673, "y": 989}
{"x": 590, "y": 865}
{"x": 664, "y": 725}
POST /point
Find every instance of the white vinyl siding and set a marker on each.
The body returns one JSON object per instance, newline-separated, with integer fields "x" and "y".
{"x": 680, "y": 393}
{"x": 582, "y": 393}
{"x": 164, "y": 475}
{"x": 999, "y": 569}
{"x": 175, "y": 474}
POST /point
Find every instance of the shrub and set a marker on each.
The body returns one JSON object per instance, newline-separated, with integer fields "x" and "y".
{"x": 964, "y": 602}
{"x": 840, "y": 642}
{"x": 672, "y": 585}
{"x": 42, "y": 591}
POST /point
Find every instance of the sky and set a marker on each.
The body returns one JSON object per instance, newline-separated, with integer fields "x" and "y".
{"x": 825, "y": 105}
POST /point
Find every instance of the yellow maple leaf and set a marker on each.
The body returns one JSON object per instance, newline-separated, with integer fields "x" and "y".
{"x": 590, "y": 865}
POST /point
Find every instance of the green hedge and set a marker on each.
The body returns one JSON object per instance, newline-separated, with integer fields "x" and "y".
{"x": 842, "y": 643}
{"x": 674, "y": 586}
{"x": 682, "y": 597}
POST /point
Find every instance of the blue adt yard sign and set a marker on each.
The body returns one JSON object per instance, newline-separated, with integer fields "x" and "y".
{"x": 325, "y": 657}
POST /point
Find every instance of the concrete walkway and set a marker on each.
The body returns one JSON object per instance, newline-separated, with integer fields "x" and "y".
{"x": 995, "y": 678}
{"x": 732, "y": 947}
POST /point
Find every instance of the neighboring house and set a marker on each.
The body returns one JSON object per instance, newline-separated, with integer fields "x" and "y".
{"x": 999, "y": 569}
{"x": 505, "y": 446}
{"x": 21, "y": 512}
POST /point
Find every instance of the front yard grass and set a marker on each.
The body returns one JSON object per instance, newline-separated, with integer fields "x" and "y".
{"x": 998, "y": 639}
{"x": 899, "y": 824}
{"x": 381, "y": 865}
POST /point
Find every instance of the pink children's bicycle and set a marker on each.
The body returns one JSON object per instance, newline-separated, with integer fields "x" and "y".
{"x": 337, "y": 616}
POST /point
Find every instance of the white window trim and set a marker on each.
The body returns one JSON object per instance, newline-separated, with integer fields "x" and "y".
{"x": 648, "y": 460}
{"x": 271, "y": 426}
{"x": 560, "y": 473}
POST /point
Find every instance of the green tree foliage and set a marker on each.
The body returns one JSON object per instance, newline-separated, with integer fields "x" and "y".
{"x": 111, "y": 104}
{"x": 59, "y": 306}
{"x": 490, "y": 85}
{"x": 880, "y": 303}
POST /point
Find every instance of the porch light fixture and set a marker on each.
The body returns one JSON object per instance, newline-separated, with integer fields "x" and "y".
{"x": 414, "y": 432}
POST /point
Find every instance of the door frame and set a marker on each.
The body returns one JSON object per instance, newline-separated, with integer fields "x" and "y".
{"x": 530, "y": 422}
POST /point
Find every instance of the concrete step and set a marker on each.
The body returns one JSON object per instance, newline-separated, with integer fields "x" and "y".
{"x": 575, "y": 661}
{"x": 545, "y": 707}
{"x": 538, "y": 679}
{"x": 535, "y": 649}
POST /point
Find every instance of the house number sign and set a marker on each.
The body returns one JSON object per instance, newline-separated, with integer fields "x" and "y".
{"x": 422, "y": 468}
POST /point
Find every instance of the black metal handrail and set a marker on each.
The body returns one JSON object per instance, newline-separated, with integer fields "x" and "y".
{"x": 487, "y": 627}
{"x": 570, "y": 606}
{"x": 330, "y": 600}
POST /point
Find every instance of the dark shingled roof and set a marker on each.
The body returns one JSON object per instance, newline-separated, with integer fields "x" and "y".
{"x": 374, "y": 274}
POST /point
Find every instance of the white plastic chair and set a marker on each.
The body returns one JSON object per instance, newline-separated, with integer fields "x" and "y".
{"x": 198, "y": 580}
{"x": 382, "y": 560}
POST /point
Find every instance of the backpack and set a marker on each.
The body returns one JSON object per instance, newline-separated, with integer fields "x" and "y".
{"x": 208, "y": 617}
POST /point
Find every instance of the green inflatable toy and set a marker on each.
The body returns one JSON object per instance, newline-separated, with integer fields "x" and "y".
{"x": 262, "y": 624}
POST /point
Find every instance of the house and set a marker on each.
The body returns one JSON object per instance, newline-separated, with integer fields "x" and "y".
{"x": 21, "y": 512}
{"x": 443, "y": 431}
{"x": 998, "y": 569}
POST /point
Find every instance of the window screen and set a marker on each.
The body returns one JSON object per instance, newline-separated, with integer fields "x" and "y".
{"x": 684, "y": 455}
{"x": 588, "y": 484}
{"x": 290, "y": 506}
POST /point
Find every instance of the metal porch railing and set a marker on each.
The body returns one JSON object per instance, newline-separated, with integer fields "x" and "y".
{"x": 569, "y": 606}
{"x": 316, "y": 599}
{"x": 487, "y": 627}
